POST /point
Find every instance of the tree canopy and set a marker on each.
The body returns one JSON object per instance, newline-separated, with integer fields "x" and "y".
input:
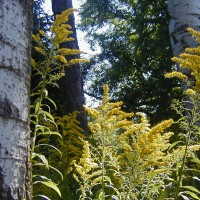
{"x": 135, "y": 53}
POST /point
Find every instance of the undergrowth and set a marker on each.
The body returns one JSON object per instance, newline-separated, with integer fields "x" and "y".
{"x": 46, "y": 72}
{"x": 124, "y": 158}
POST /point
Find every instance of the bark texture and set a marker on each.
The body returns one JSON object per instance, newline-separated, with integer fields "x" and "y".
{"x": 15, "y": 38}
{"x": 71, "y": 95}
{"x": 183, "y": 14}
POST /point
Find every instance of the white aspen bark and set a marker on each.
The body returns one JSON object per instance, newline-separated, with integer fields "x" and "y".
{"x": 15, "y": 29}
{"x": 183, "y": 14}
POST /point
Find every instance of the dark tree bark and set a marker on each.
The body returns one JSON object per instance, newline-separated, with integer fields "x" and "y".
{"x": 71, "y": 95}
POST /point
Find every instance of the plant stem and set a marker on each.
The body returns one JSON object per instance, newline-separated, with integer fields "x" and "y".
{"x": 103, "y": 163}
{"x": 181, "y": 170}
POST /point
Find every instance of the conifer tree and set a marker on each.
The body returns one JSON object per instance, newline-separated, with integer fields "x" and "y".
{"x": 136, "y": 52}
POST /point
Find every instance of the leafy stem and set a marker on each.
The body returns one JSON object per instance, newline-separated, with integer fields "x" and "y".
{"x": 189, "y": 127}
{"x": 103, "y": 164}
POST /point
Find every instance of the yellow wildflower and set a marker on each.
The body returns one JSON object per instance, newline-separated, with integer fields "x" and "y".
{"x": 195, "y": 33}
{"x": 177, "y": 75}
{"x": 161, "y": 127}
{"x": 97, "y": 180}
{"x": 61, "y": 58}
{"x": 122, "y": 124}
{"x": 190, "y": 92}
{"x": 74, "y": 61}
{"x": 65, "y": 51}
{"x": 86, "y": 163}
{"x": 36, "y": 38}
{"x": 191, "y": 60}
{"x": 92, "y": 112}
{"x": 40, "y": 50}
{"x": 194, "y": 147}
{"x": 42, "y": 32}
{"x": 33, "y": 63}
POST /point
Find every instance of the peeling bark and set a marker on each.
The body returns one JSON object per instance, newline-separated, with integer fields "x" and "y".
{"x": 183, "y": 14}
{"x": 15, "y": 37}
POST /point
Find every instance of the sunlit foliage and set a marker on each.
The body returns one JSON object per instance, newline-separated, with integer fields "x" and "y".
{"x": 47, "y": 72}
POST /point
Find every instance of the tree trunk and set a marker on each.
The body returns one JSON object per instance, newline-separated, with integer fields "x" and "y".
{"x": 183, "y": 14}
{"x": 71, "y": 95}
{"x": 15, "y": 39}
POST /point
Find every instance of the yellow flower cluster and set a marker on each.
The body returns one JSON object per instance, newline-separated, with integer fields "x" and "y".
{"x": 190, "y": 92}
{"x": 40, "y": 48}
{"x": 127, "y": 151}
{"x": 108, "y": 117}
{"x": 60, "y": 29}
{"x": 66, "y": 51}
{"x": 69, "y": 123}
{"x": 71, "y": 145}
{"x": 60, "y": 58}
{"x": 176, "y": 74}
{"x": 59, "y": 33}
{"x": 195, "y": 34}
{"x": 191, "y": 60}
{"x": 139, "y": 144}
{"x": 86, "y": 163}
{"x": 76, "y": 60}
{"x": 36, "y": 38}
{"x": 150, "y": 146}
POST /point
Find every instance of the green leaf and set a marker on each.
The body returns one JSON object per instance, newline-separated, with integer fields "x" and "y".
{"x": 116, "y": 191}
{"x": 178, "y": 165}
{"x": 41, "y": 128}
{"x": 41, "y": 177}
{"x": 196, "y": 178}
{"x": 196, "y": 160}
{"x": 51, "y": 102}
{"x": 33, "y": 94}
{"x": 52, "y": 133}
{"x": 57, "y": 171}
{"x": 192, "y": 194}
{"x": 108, "y": 179}
{"x": 191, "y": 188}
{"x": 51, "y": 146}
{"x": 42, "y": 196}
{"x": 51, "y": 185}
{"x": 184, "y": 197}
{"x": 48, "y": 115}
{"x": 99, "y": 194}
{"x": 173, "y": 145}
{"x": 37, "y": 106}
{"x": 42, "y": 158}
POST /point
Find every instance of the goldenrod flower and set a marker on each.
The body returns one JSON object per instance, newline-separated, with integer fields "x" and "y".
{"x": 177, "y": 75}
{"x": 33, "y": 63}
{"x": 194, "y": 147}
{"x": 122, "y": 124}
{"x": 42, "y": 32}
{"x": 74, "y": 61}
{"x": 190, "y": 92}
{"x": 40, "y": 50}
{"x": 195, "y": 33}
{"x": 65, "y": 51}
{"x": 60, "y": 58}
{"x": 36, "y": 38}
{"x": 86, "y": 163}
{"x": 191, "y": 60}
